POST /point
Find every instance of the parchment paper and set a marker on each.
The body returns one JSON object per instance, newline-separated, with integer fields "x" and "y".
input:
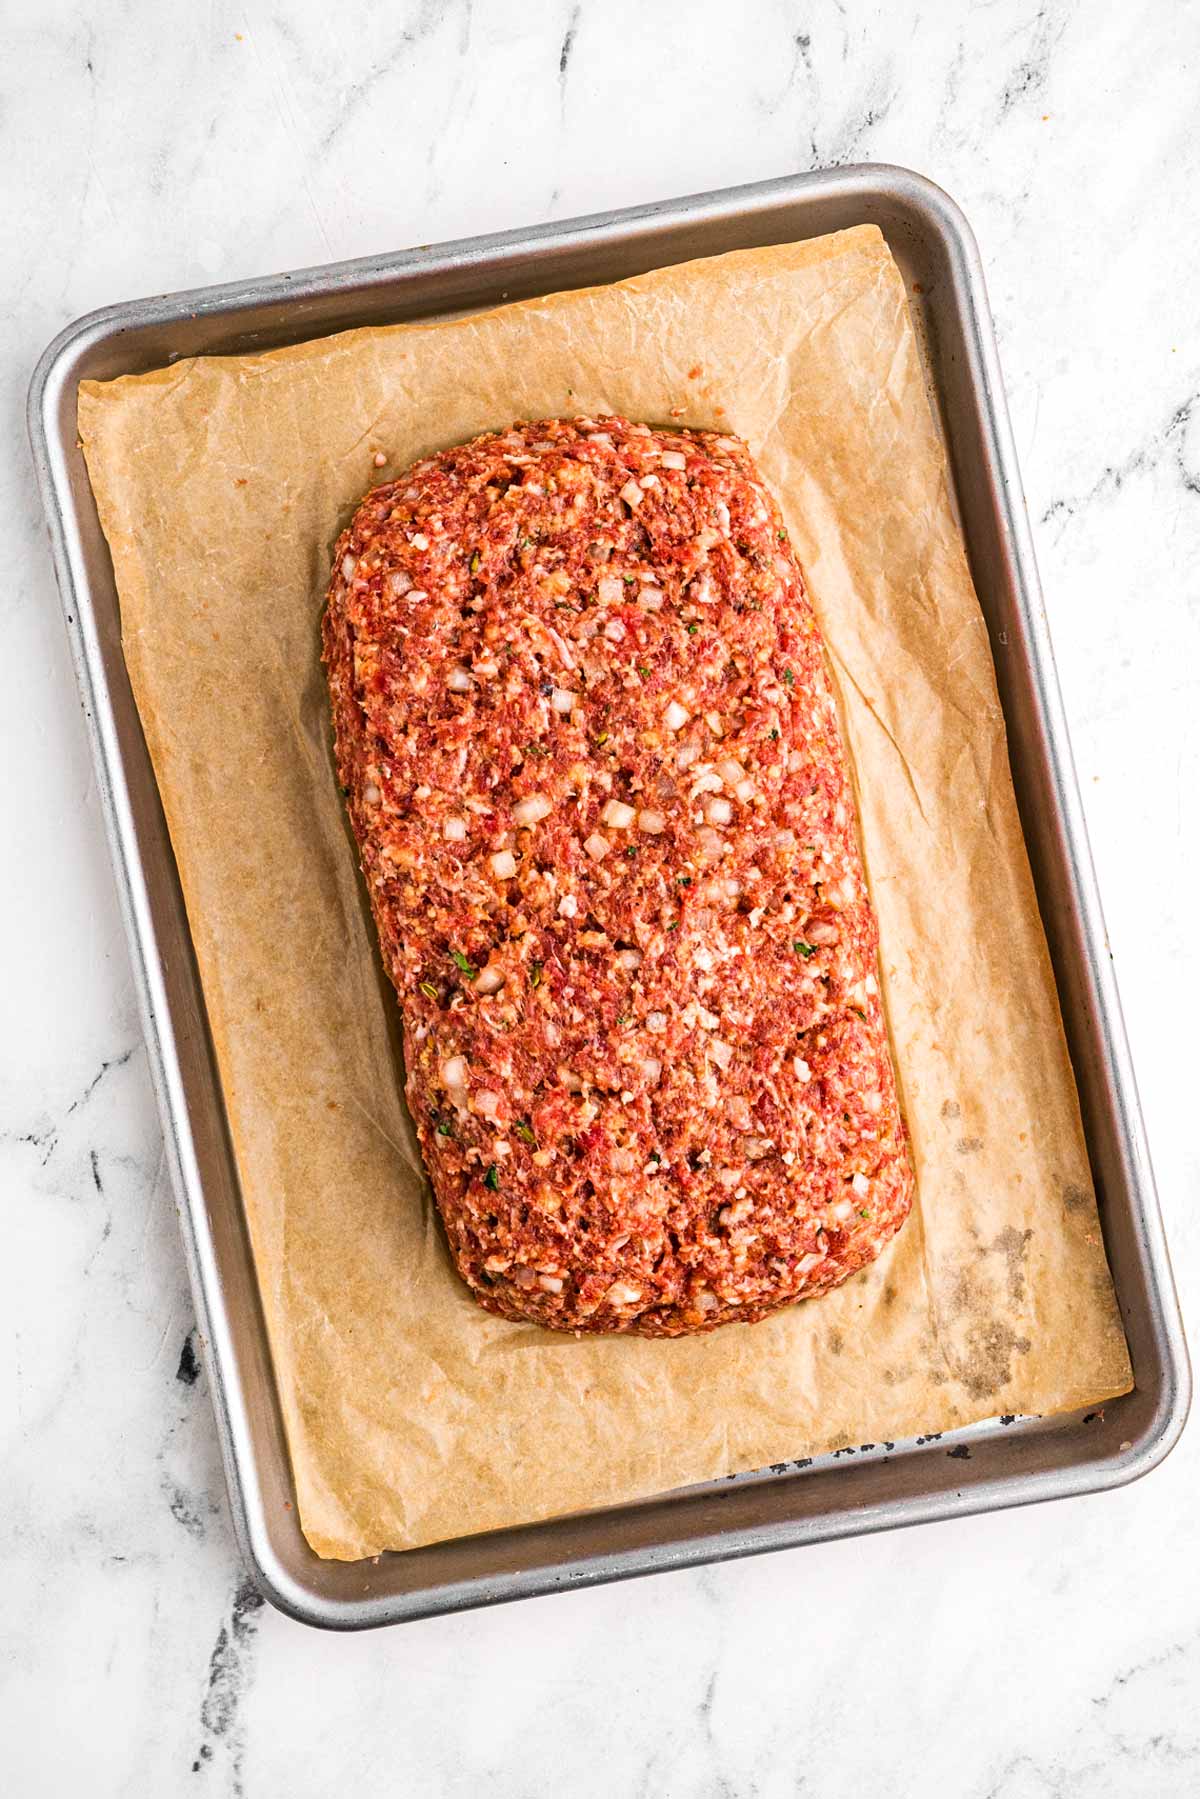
{"x": 411, "y": 1414}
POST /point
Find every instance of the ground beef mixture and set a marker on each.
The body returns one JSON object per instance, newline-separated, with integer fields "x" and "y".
{"x": 594, "y": 768}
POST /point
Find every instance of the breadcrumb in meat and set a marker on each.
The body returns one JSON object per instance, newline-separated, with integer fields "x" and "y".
{"x": 594, "y": 768}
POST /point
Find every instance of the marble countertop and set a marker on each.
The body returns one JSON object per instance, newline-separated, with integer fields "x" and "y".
{"x": 1052, "y": 1651}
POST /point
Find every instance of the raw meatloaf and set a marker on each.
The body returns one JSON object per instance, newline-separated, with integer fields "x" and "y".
{"x": 594, "y": 768}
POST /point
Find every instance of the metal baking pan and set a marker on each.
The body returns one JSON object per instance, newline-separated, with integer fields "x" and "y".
{"x": 1009, "y": 1462}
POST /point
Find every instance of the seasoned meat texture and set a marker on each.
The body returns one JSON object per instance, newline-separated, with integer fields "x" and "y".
{"x": 594, "y": 768}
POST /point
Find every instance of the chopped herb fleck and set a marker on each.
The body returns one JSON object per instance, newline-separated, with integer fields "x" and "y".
{"x": 859, "y": 1013}
{"x": 674, "y": 925}
{"x": 445, "y": 1128}
{"x": 525, "y": 1132}
{"x": 429, "y": 990}
{"x": 654, "y": 1156}
{"x": 632, "y": 850}
{"x": 774, "y": 733}
{"x": 684, "y": 880}
{"x": 804, "y": 949}
{"x": 643, "y": 672}
{"x": 622, "y": 1018}
{"x": 789, "y": 679}
{"x": 863, "y": 1212}
{"x": 492, "y": 1178}
{"x": 535, "y": 974}
{"x": 628, "y": 580}
{"x": 475, "y": 563}
{"x": 461, "y": 963}
{"x": 781, "y": 534}
{"x": 692, "y": 630}
{"x": 602, "y": 738}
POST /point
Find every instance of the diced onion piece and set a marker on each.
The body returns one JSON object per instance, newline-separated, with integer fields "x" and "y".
{"x": 686, "y": 754}
{"x": 485, "y": 1103}
{"x": 528, "y": 811}
{"x": 454, "y": 830}
{"x": 458, "y": 680}
{"x": 873, "y": 1102}
{"x": 504, "y": 865}
{"x": 843, "y": 1212}
{"x": 708, "y": 1019}
{"x": 485, "y": 669}
{"x": 348, "y": 567}
{"x": 675, "y": 716}
{"x": 673, "y": 459}
{"x": 651, "y": 599}
{"x": 611, "y": 589}
{"x": 398, "y": 583}
{"x": 623, "y": 1161}
{"x": 710, "y": 841}
{"x": 570, "y": 1080}
{"x": 807, "y": 1263}
{"x": 656, "y": 1021}
{"x": 721, "y": 1052}
{"x": 630, "y": 959}
{"x": 550, "y": 1283}
{"x": 803, "y": 1071}
{"x": 757, "y": 1148}
{"x": 560, "y": 646}
{"x": 718, "y": 811}
{"x": 706, "y": 1300}
{"x": 651, "y": 1068}
{"x": 650, "y": 820}
{"x": 822, "y": 933}
{"x": 568, "y": 906}
{"x": 785, "y": 840}
{"x": 861, "y": 1185}
{"x": 745, "y": 790}
{"x": 454, "y": 1072}
{"x": 490, "y": 981}
{"x": 618, "y": 815}
{"x": 707, "y": 781}
{"x": 731, "y": 771}
{"x": 621, "y": 1294}
{"x": 632, "y": 495}
{"x": 730, "y": 888}
{"x": 715, "y": 723}
{"x": 597, "y": 846}
{"x": 737, "y": 1110}
{"x": 371, "y": 794}
{"x": 614, "y": 630}
{"x": 562, "y": 699}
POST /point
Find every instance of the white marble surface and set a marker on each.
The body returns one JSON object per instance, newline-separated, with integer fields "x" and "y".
{"x": 150, "y": 146}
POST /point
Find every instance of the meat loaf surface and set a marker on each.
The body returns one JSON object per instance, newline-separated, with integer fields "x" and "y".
{"x": 593, "y": 764}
